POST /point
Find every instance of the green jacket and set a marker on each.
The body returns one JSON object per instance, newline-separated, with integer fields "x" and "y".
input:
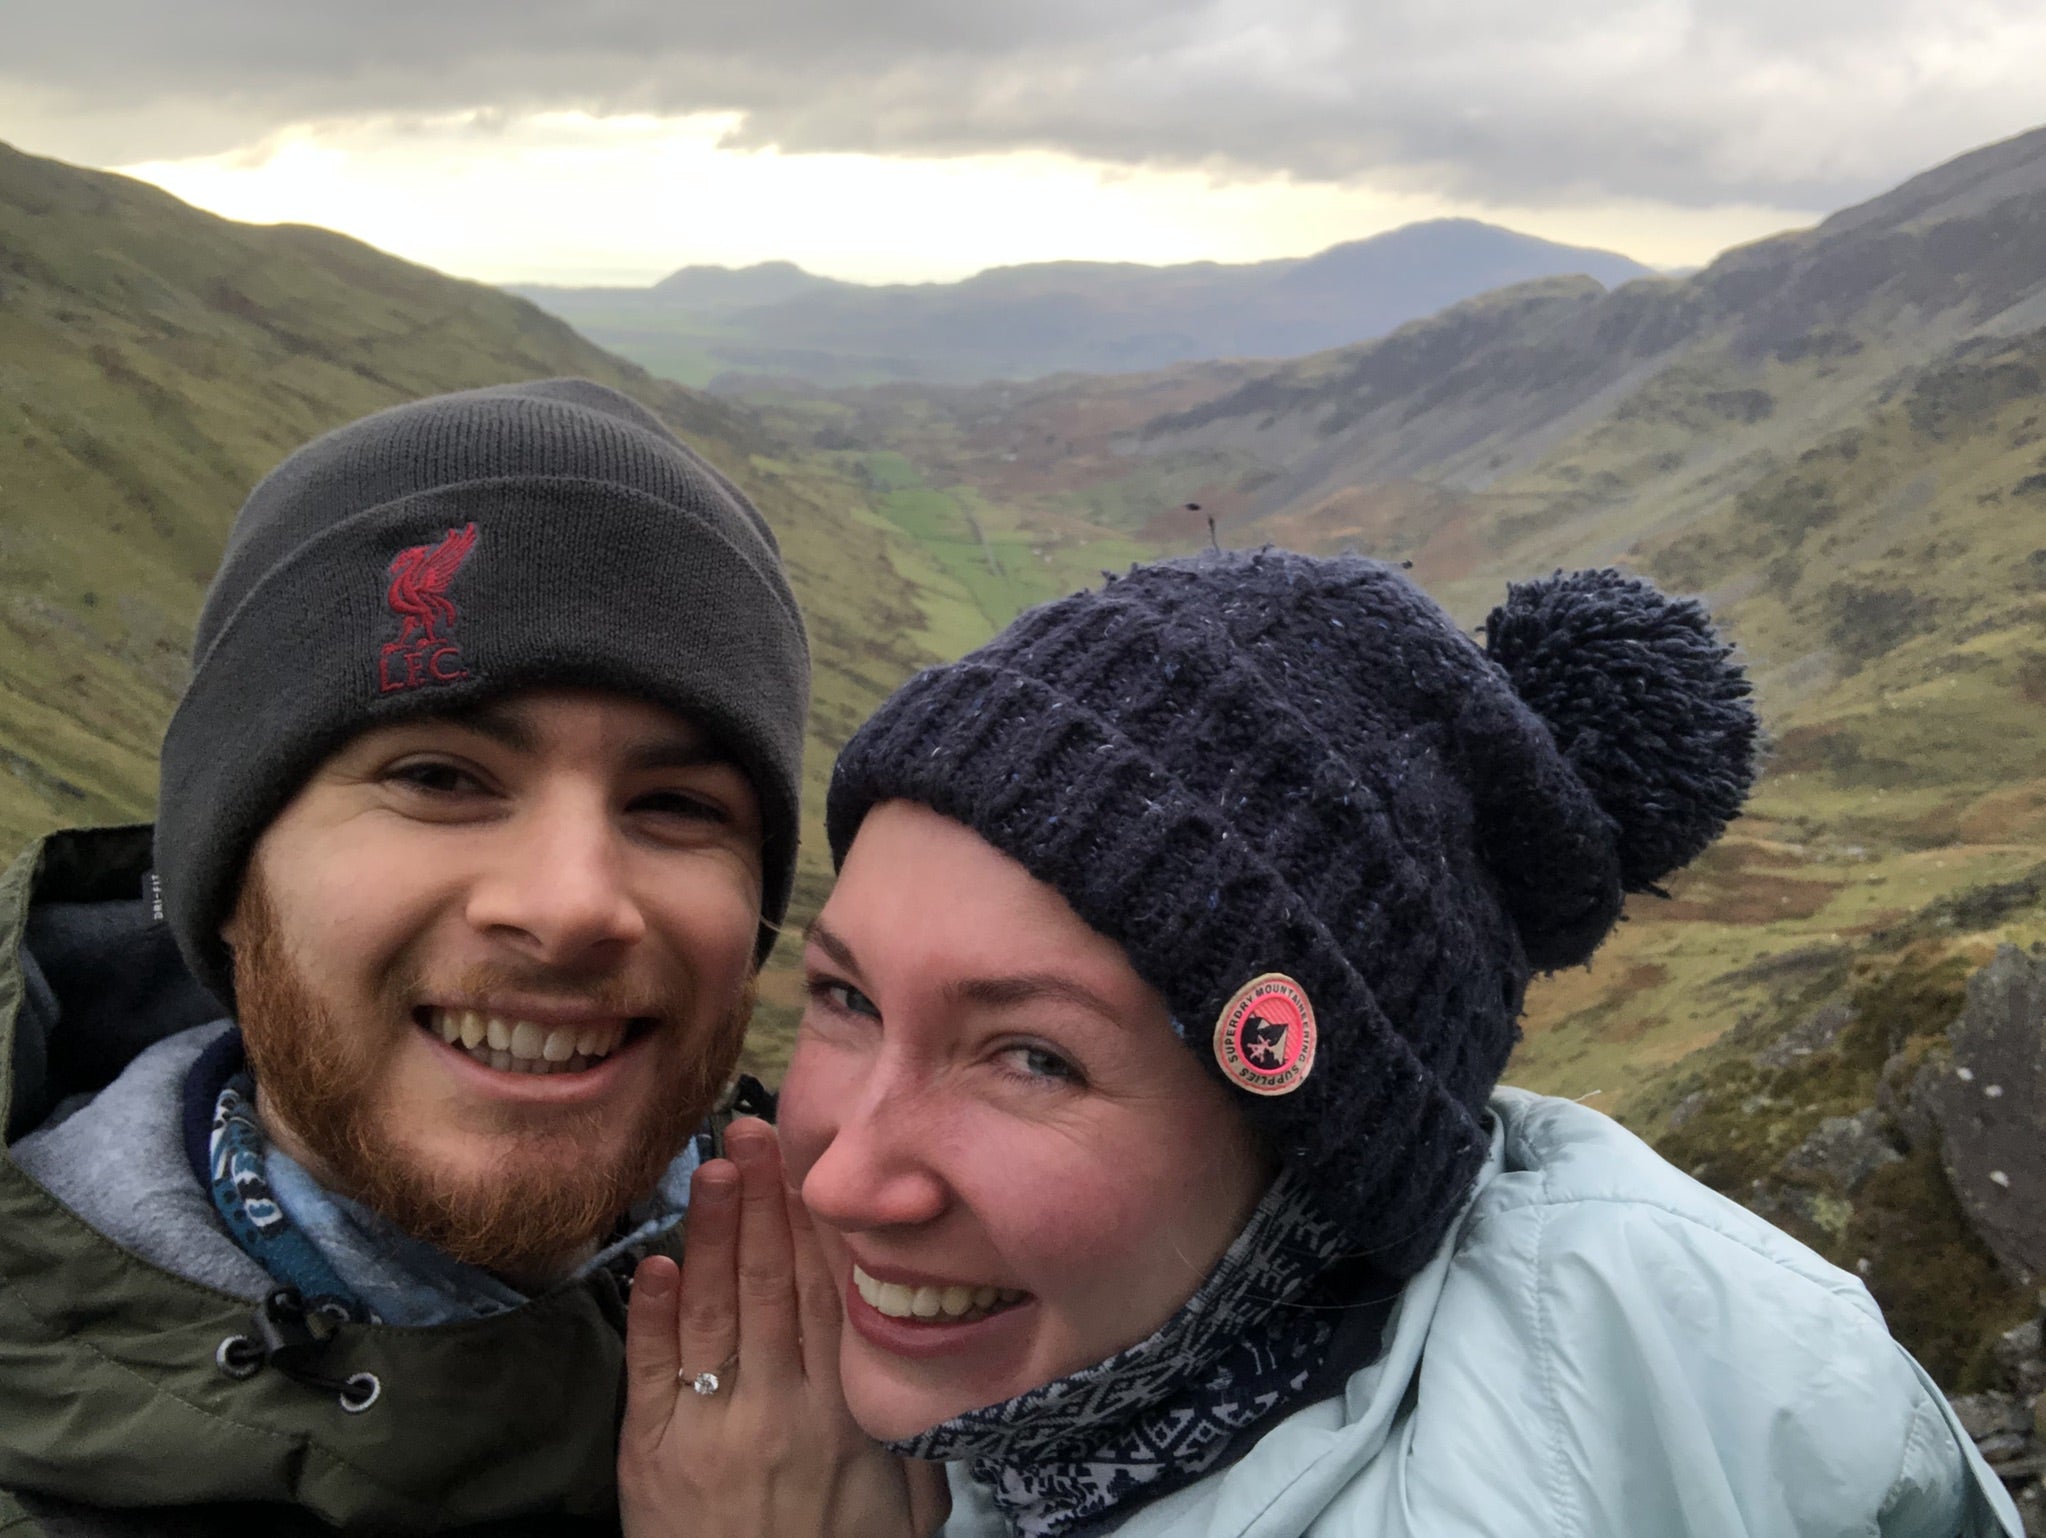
{"x": 115, "y": 1416}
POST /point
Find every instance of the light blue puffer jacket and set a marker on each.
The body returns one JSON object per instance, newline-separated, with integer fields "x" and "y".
{"x": 1603, "y": 1348}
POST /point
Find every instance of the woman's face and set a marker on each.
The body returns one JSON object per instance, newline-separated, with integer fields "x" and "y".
{"x": 1017, "y": 1169}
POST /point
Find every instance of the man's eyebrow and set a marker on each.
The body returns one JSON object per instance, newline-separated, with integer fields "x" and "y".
{"x": 500, "y": 722}
{"x": 508, "y": 726}
{"x": 680, "y": 751}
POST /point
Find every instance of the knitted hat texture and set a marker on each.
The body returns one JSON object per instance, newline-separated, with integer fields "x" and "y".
{"x": 450, "y": 551}
{"x": 1245, "y": 763}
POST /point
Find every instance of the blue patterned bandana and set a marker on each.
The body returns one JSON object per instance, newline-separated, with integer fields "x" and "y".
{"x": 1061, "y": 1459}
{"x": 236, "y": 1159}
{"x": 346, "y": 1260}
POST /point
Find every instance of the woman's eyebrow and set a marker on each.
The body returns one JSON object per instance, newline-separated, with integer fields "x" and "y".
{"x": 1030, "y": 988}
{"x": 822, "y": 937}
{"x": 985, "y": 992}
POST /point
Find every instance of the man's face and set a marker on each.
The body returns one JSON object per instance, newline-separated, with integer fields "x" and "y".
{"x": 493, "y": 969}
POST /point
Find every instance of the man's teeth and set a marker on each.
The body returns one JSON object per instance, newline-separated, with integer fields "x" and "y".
{"x": 521, "y": 1046}
{"x": 955, "y": 1302}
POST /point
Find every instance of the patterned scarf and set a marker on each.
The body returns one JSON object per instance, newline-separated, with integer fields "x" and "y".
{"x": 346, "y": 1260}
{"x": 1060, "y": 1459}
{"x": 236, "y": 1158}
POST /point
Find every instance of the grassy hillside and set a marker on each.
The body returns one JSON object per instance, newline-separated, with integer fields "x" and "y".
{"x": 155, "y": 361}
{"x": 1888, "y": 584}
{"x": 1836, "y": 435}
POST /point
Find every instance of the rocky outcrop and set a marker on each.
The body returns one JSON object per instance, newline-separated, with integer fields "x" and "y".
{"x": 1844, "y": 1151}
{"x": 1817, "y": 1032}
{"x": 1989, "y": 1103}
{"x": 1987, "y": 1100}
{"x": 1899, "y": 1127}
{"x": 2009, "y": 1424}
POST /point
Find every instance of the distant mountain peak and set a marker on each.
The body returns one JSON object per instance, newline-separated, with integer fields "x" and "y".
{"x": 779, "y": 268}
{"x": 1037, "y": 318}
{"x": 708, "y": 286}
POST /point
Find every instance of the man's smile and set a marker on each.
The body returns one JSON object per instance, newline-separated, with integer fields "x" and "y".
{"x": 512, "y": 1044}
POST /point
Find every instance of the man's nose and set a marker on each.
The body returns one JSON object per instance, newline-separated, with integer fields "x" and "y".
{"x": 555, "y": 883}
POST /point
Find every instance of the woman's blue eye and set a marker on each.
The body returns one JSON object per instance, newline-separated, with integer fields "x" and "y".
{"x": 846, "y": 997}
{"x": 1043, "y": 1064}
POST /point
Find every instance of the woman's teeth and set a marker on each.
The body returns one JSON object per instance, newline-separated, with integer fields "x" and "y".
{"x": 520, "y": 1046}
{"x": 954, "y": 1302}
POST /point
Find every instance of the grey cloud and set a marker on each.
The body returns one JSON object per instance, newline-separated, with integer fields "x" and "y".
{"x": 1791, "y": 103}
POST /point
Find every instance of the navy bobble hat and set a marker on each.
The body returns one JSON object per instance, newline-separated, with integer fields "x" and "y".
{"x": 448, "y": 552}
{"x": 1331, "y": 830}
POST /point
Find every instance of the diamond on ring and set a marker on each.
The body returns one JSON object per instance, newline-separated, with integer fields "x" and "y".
{"x": 708, "y": 1383}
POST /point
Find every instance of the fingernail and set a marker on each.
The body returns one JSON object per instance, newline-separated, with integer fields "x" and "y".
{"x": 653, "y": 1278}
{"x": 714, "y": 1181}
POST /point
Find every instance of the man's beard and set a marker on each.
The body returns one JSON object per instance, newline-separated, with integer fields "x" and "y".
{"x": 541, "y": 1209}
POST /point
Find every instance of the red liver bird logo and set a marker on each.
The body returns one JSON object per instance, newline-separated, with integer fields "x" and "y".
{"x": 425, "y": 651}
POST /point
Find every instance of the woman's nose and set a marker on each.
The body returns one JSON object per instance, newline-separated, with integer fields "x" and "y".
{"x": 874, "y": 1172}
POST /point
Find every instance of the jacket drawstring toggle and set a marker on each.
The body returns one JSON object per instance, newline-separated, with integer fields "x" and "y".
{"x": 292, "y": 1340}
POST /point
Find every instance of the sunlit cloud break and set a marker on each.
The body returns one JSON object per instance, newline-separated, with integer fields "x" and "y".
{"x": 570, "y": 197}
{"x": 922, "y": 138}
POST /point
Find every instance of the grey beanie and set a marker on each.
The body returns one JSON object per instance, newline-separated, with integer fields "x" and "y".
{"x": 447, "y": 552}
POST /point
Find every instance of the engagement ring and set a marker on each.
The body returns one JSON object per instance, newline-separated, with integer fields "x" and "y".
{"x": 706, "y": 1383}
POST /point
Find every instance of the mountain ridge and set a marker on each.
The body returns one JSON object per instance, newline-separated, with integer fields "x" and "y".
{"x": 1480, "y": 391}
{"x": 1039, "y": 318}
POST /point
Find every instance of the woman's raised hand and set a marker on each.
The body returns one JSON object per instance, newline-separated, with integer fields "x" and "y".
{"x": 770, "y": 1451}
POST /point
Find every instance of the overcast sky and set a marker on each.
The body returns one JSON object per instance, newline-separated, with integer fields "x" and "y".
{"x": 899, "y": 139}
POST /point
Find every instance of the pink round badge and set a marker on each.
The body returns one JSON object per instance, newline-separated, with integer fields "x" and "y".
{"x": 1265, "y": 1037}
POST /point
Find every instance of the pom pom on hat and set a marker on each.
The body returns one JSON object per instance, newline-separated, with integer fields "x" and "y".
{"x": 1645, "y": 703}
